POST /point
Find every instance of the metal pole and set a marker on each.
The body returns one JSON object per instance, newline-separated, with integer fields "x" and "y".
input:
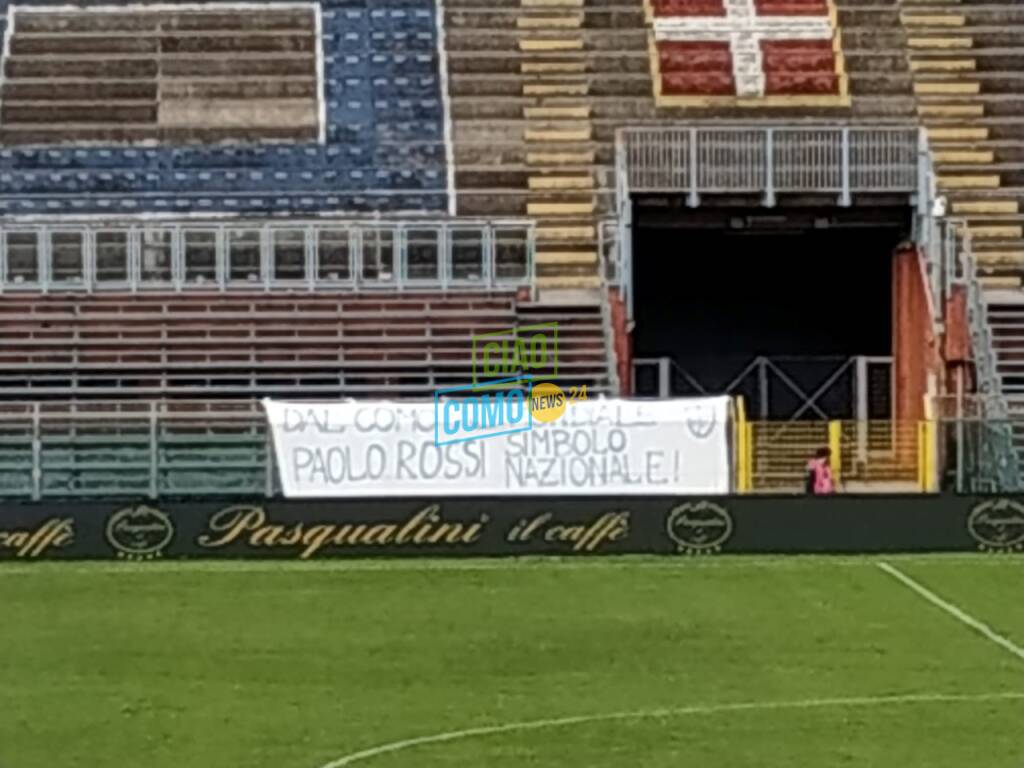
{"x": 959, "y": 430}
{"x": 861, "y": 384}
{"x": 762, "y": 380}
{"x": 663, "y": 376}
{"x": 844, "y": 196}
{"x": 268, "y": 489}
{"x": 693, "y": 199}
{"x": 154, "y": 463}
{"x": 769, "y": 169}
{"x": 37, "y": 464}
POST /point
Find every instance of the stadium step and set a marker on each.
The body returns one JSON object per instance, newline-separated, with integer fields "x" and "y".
{"x": 558, "y": 135}
{"x": 966, "y": 59}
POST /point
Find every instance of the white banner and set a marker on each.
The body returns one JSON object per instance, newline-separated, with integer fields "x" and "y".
{"x": 598, "y": 447}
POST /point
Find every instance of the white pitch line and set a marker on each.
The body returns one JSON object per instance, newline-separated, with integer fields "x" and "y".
{"x": 536, "y": 563}
{"x": 953, "y": 611}
{"x": 708, "y": 709}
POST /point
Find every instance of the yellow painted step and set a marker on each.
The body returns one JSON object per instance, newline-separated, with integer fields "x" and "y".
{"x": 942, "y": 43}
{"x": 956, "y": 134}
{"x": 550, "y": 22}
{"x": 995, "y": 257}
{"x": 559, "y": 209}
{"x": 553, "y": 67}
{"x": 985, "y": 206}
{"x": 568, "y": 281}
{"x": 943, "y": 65}
{"x": 988, "y": 281}
{"x": 560, "y": 158}
{"x": 950, "y": 110}
{"x": 1001, "y": 232}
{"x": 548, "y": 46}
{"x": 565, "y": 257}
{"x": 547, "y": 234}
{"x": 551, "y": 3}
{"x": 581, "y": 133}
{"x": 953, "y": 89}
{"x": 933, "y": 20}
{"x": 561, "y": 182}
{"x": 964, "y": 156}
{"x": 555, "y": 89}
{"x": 581, "y": 112}
{"x": 969, "y": 182}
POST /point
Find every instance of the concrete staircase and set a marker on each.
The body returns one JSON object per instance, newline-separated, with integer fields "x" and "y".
{"x": 967, "y": 59}
{"x": 538, "y": 89}
{"x": 522, "y": 103}
{"x": 558, "y": 137}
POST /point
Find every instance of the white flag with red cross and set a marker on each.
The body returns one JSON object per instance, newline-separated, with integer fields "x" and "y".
{"x": 747, "y": 52}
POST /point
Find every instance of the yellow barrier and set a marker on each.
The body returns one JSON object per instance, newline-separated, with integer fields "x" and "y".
{"x": 866, "y": 455}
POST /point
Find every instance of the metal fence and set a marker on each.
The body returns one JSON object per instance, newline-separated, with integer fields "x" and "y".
{"x": 866, "y": 455}
{"x": 742, "y": 159}
{"x": 697, "y": 160}
{"x": 211, "y": 449}
{"x": 265, "y": 255}
{"x": 145, "y": 450}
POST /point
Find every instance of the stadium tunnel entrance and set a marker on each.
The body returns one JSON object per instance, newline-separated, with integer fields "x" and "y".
{"x": 789, "y": 307}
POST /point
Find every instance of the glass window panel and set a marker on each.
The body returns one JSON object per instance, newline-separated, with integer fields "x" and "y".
{"x": 244, "y": 255}
{"x": 67, "y": 258}
{"x": 378, "y": 254}
{"x": 22, "y": 257}
{"x": 421, "y": 254}
{"x": 289, "y": 254}
{"x": 511, "y": 254}
{"x": 111, "y": 257}
{"x": 200, "y": 256}
{"x": 467, "y": 254}
{"x": 333, "y": 255}
{"x": 155, "y": 256}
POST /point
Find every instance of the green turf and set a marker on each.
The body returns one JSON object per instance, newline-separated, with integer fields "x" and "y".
{"x": 293, "y": 666}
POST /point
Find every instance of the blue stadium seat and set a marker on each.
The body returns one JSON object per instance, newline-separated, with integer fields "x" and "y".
{"x": 384, "y": 149}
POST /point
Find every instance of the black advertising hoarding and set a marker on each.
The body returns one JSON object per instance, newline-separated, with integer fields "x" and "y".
{"x": 508, "y": 527}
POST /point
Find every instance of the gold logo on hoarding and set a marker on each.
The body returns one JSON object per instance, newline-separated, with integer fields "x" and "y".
{"x": 699, "y": 527}
{"x": 140, "y": 532}
{"x": 587, "y": 536}
{"x": 997, "y": 525}
{"x": 249, "y": 524}
{"x": 32, "y": 543}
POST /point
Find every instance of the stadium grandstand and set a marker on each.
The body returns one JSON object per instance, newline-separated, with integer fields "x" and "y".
{"x": 208, "y": 204}
{"x": 503, "y": 383}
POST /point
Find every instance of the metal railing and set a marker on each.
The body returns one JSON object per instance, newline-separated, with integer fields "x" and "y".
{"x": 866, "y": 455}
{"x": 770, "y": 160}
{"x": 209, "y": 449}
{"x": 141, "y": 449}
{"x": 697, "y": 160}
{"x": 309, "y": 255}
{"x": 998, "y": 460}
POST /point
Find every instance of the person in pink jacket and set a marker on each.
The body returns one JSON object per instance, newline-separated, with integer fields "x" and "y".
{"x": 819, "y": 473}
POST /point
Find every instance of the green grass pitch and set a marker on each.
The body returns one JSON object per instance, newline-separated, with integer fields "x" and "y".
{"x": 714, "y": 663}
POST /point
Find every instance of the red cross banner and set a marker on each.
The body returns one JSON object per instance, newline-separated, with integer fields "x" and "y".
{"x": 746, "y": 53}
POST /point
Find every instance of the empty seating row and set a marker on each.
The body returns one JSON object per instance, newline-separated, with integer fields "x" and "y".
{"x": 237, "y": 346}
{"x": 282, "y": 203}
